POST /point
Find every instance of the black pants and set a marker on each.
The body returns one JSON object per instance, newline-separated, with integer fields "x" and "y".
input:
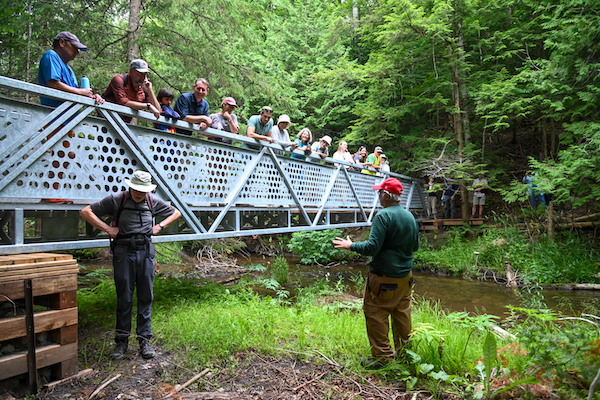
{"x": 134, "y": 268}
{"x": 450, "y": 208}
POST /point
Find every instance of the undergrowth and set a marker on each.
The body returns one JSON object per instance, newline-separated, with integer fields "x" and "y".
{"x": 452, "y": 353}
{"x": 570, "y": 258}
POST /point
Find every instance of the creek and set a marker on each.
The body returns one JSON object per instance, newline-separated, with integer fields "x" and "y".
{"x": 454, "y": 293}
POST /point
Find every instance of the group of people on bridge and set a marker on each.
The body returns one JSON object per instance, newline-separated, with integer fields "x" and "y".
{"x": 134, "y": 90}
{"x": 134, "y": 212}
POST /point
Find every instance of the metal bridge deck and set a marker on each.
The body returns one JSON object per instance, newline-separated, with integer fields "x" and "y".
{"x": 53, "y": 162}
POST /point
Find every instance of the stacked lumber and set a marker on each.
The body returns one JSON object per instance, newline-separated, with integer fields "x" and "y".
{"x": 54, "y": 289}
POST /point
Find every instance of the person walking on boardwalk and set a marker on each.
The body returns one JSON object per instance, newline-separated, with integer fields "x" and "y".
{"x": 393, "y": 239}
{"x": 133, "y": 253}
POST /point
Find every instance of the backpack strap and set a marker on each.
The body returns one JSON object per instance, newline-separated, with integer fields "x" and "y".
{"x": 124, "y": 79}
{"x": 122, "y": 202}
{"x": 150, "y": 201}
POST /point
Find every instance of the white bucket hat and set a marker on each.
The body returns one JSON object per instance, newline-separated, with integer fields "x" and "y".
{"x": 284, "y": 118}
{"x": 141, "y": 181}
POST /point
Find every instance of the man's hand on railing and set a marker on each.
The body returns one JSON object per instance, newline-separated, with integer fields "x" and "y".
{"x": 154, "y": 111}
{"x": 98, "y": 98}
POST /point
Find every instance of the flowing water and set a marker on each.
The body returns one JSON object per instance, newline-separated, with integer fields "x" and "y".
{"x": 455, "y": 294}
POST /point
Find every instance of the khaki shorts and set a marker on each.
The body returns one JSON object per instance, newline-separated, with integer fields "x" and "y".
{"x": 479, "y": 201}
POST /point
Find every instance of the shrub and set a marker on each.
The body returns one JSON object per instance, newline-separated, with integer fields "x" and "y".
{"x": 315, "y": 247}
{"x": 280, "y": 270}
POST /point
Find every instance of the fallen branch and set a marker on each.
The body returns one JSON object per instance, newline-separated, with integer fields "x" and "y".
{"x": 194, "y": 379}
{"x": 586, "y": 217}
{"x": 80, "y": 374}
{"x": 309, "y": 382}
{"x": 105, "y": 384}
{"x": 178, "y": 388}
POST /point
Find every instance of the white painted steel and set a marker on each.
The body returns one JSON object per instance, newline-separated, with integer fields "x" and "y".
{"x": 222, "y": 190}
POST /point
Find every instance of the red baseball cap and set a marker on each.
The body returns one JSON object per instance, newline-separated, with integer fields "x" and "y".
{"x": 392, "y": 185}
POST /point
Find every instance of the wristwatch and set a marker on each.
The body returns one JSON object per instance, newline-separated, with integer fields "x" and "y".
{"x": 148, "y": 106}
{"x": 161, "y": 227}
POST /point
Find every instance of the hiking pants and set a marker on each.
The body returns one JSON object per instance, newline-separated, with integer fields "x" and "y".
{"x": 134, "y": 269}
{"x": 387, "y": 297}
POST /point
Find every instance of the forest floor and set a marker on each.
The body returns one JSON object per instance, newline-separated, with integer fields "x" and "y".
{"x": 245, "y": 376}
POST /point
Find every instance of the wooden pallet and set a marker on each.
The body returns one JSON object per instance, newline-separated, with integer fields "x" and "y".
{"x": 54, "y": 285}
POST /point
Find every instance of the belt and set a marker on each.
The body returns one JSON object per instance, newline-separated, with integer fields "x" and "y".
{"x": 136, "y": 242}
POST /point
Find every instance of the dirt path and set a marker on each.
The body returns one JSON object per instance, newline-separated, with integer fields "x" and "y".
{"x": 246, "y": 376}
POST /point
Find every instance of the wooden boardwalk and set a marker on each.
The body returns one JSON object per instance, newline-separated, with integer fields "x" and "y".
{"x": 438, "y": 224}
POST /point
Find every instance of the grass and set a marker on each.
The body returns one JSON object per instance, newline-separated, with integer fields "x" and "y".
{"x": 571, "y": 258}
{"x": 205, "y": 324}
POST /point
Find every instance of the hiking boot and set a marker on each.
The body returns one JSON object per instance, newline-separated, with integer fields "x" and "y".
{"x": 371, "y": 363}
{"x": 120, "y": 350}
{"x": 146, "y": 350}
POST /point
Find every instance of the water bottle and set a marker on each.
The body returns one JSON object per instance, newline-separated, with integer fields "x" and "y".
{"x": 85, "y": 82}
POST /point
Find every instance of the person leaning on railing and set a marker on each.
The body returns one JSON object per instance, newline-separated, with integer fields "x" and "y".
{"x": 303, "y": 140}
{"x": 133, "y": 90}
{"x": 193, "y": 107}
{"x": 225, "y": 120}
{"x": 281, "y": 136}
{"x": 343, "y": 154}
{"x": 55, "y": 72}
{"x": 359, "y": 158}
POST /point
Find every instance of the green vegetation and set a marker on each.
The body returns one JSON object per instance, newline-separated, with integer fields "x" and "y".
{"x": 314, "y": 247}
{"x": 432, "y": 82}
{"x": 571, "y": 258}
{"x": 449, "y": 353}
{"x": 280, "y": 270}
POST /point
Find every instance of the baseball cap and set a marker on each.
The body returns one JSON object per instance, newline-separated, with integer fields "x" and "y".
{"x": 267, "y": 110}
{"x": 230, "y": 101}
{"x": 284, "y": 118}
{"x": 379, "y": 149}
{"x": 327, "y": 139}
{"x": 69, "y": 37}
{"x": 391, "y": 185}
{"x": 139, "y": 65}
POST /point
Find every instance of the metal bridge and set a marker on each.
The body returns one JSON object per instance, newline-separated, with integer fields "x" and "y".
{"x": 54, "y": 162}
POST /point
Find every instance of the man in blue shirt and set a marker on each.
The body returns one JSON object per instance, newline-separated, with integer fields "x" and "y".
{"x": 55, "y": 72}
{"x": 448, "y": 198}
{"x": 193, "y": 108}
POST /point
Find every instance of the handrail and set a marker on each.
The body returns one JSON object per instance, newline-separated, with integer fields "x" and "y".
{"x": 222, "y": 190}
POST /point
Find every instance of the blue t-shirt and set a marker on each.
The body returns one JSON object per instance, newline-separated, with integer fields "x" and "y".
{"x": 300, "y": 145}
{"x": 186, "y": 104}
{"x": 52, "y": 67}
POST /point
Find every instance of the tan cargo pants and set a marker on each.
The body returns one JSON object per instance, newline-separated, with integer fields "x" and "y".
{"x": 385, "y": 297}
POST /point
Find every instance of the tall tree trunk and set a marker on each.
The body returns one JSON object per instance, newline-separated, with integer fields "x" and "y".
{"x": 456, "y": 56}
{"x": 133, "y": 49}
{"x": 464, "y": 93}
{"x": 355, "y": 15}
{"x": 28, "y": 66}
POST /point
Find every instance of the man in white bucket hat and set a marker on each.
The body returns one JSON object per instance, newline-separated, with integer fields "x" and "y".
{"x": 133, "y": 212}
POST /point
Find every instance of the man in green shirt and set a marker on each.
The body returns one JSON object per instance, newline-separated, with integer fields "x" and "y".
{"x": 393, "y": 239}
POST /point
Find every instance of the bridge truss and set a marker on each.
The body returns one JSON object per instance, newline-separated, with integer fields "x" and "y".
{"x": 54, "y": 162}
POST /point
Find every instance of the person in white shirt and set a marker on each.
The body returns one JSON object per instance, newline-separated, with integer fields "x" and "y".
{"x": 343, "y": 154}
{"x": 385, "y": 166}
{"x": 281, "y": 136}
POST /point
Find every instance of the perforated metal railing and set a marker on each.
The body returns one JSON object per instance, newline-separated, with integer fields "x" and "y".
{"x": 53, "y": 162}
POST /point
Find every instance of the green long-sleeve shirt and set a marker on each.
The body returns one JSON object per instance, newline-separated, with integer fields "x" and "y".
{"x": 393, "y": 239}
